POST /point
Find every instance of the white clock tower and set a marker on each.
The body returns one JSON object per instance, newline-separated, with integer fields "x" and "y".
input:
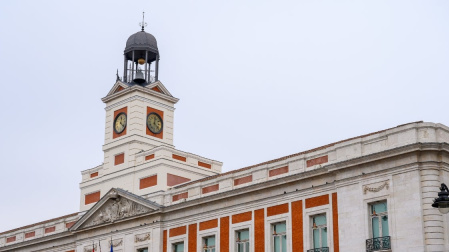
{"x": 139, "y": 155}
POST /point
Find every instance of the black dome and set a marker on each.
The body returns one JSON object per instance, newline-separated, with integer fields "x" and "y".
{"x": 141, "y": 41}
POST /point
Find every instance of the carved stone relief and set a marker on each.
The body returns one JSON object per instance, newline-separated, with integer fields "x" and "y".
{"x": 376, "y": 188}
{"x": 142, "y": 237}
{"x": 116, "y": 208}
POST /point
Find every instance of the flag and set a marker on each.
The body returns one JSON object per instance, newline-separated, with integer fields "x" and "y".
{"x": 99, "y": 245}
{"x": 112, "y": 250}
{"x": 93, "y": 247}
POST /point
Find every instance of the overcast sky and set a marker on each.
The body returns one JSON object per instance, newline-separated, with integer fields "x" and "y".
{"x": 257, "y": 80}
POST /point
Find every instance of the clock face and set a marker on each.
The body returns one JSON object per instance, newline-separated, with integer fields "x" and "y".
{"x": 154, "y": 123}
{"x": 120, "y": 123}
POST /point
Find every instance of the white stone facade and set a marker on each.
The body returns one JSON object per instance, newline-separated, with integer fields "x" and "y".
{"x": 149, "y": 195}
{"x": 403, "y": 166}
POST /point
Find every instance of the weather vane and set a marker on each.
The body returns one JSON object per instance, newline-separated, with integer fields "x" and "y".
{"x": 143, "y": 24}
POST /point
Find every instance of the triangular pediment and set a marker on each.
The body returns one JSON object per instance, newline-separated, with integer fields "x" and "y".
{"x": 159, "y": 87}
{"x": 118, "y": 86}
{"x": 116, "y": 206}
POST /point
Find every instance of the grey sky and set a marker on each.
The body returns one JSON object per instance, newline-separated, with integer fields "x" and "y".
{"x": 257, "y": 80}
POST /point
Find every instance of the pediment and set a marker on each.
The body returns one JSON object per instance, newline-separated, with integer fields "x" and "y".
{"x": 158, "y": 87}
{"x": 118, "y": 86}
{"x": 116, "y": 206}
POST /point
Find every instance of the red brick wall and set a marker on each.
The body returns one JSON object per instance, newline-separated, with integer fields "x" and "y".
{"x": 30, "y": 234}
{"x": 205, "y": 165}
{"x": 208, "y": 224}
{"x": 70, "y": 224}
{"x": 91, "y": 198}
{"x": 279, "y": 209}
{"x": 224, "y": 234}
{"x": 192, "y": 237}
{"x": 164, "y": 241}
{"x": 243, "y": 180}
{"x": 119, "y": 159}
{"x": 95, "y": 174}
{"x": 148, "y": 182}
{"x": 50, "y": 229}
{"x": 317, "y": 201}
{"x": 184, "y": 195}
{"x": 318, "y": 160}
{"x": 335, "y": 222}
{"x": 259, "y": 230}
{"x": 177, "y": 231}
{"x": 209, "y": 189}
{"x": 149, "y": 157}
{"x": 180, "y": 158}
{"x": 278, "y": 171}
{"x": 297, "y": 227}
{"x": 11, "y": 239}
{"x": 236, "y": 218}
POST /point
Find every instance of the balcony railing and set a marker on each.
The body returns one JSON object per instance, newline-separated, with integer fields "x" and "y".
{"x": 378, "y": 244}
{"x": 323, "y": 249}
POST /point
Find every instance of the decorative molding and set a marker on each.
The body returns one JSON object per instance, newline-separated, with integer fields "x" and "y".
{"x": 140, "y": 98}
{"x": 116, "y": 243}
{"x": 376, "y": 189}
{"x": 116, "y": 208}
{"x": 142, "y": 237}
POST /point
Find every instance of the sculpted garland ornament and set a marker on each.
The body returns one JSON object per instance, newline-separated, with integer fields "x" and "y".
{"x": 375, "y": 189}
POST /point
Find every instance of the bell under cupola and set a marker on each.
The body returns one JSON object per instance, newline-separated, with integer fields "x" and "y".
{"x": 141, "y": 58}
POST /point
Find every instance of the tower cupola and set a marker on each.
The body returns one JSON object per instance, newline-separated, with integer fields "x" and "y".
{"x": 141, "y": 58}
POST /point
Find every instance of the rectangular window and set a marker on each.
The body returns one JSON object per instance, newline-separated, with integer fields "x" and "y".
{"x": 142, "y": 250}
{"x": 319, "y": 231}
{"x": 242, "y": 240}
{"x": 379, "y": 219}
{"x": 209, "y": 244}
{"x": 178, "y": 247}
{"x": 279, "y": 242}
{"x": 380, "y": 235}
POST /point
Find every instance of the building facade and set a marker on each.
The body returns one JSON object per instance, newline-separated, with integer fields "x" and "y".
{"x": 367, "y": 193}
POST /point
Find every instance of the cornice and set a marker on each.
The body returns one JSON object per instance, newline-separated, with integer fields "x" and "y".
{"x": 141, "y": 89}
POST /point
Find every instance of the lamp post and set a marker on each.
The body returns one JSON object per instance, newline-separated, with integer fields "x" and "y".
{"x": 442, "y": 202}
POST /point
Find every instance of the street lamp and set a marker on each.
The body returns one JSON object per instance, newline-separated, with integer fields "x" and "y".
{"x": 442, "y": 202}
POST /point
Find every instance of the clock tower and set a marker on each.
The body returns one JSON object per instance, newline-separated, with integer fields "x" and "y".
{"x": 139, "y": 155}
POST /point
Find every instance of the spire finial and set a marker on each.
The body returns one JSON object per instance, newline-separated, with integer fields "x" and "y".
{"x": 143, "y": 24}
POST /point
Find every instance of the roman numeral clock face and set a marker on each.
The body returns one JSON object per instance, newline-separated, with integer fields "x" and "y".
{"x": 120, "y": 123}
{"x": 154, "y": 123}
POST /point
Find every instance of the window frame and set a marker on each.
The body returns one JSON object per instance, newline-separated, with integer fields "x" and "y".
{"x": 236, "y": 240}
{"x": 309, "y": 213}
{"x": 269, "y": 221}
{"x": 240, "y": 226}
{"x": 370, "y": 217}
{"x": 173, "y": 244}
{"x": 203, "y": 238}
{"x": 320, "y": 227}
